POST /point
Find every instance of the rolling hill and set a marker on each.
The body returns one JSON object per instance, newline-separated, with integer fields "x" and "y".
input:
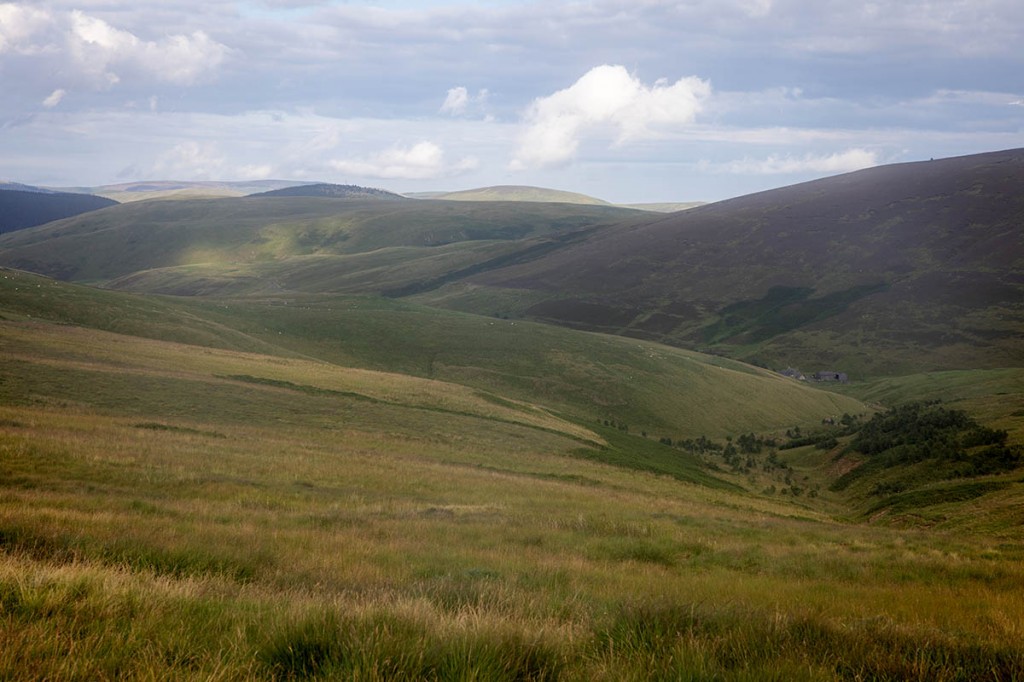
{"x": 542, "y": 195}
{"x": 20, "y": 209}
{"x": 182, "y": 499}
{"x": 888, "y": 270}
{"x": 585, "y": 376}
{"x": 520, "y": 193}
{"x": 263, "y": 244}
{"x": 181, "y": 189}
{"x": 294, "y": 469}
{"x": 330, "y": 190}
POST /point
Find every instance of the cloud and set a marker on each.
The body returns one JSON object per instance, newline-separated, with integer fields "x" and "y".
{"x": 90, "y": 47}
{"x": 606, "y": 97}
{"x": 190, "y": 160}
{"x": 55, "y": 97}
{"x": 422, "y": 161}
{"x": 19, "y": 26}
{"x": 456, "y": 101}
{"x": 97, "y": 47}
{"x": 260, "y": 171}
{"x": 840, "y": 162}
{"x": 460, "y": 103}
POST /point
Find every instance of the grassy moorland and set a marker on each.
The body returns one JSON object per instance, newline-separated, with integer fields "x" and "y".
{"x": 643, "y": 386}
{"x": 890, "y": 270}
{"x": 887, "y": 271}
{"x": 178, "y": 246}
{"x": 280, "y": 474}
{"x": 176, "y": 512}
{"x": 239, "y": 491}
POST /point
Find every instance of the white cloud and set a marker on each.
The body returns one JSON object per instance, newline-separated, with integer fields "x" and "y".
{"x": 19, "y": 26}
{"x": 98, "y": 48}
{"x": 459, "y": 102}
{"x": 456, "y": 101}
{"x": 87, "y": 46}
{"x": 422, "y": 161}
{"x": 260, "y": 171}
{"x": 605, "y": 97}
{"x": 840, "y": 162}
{"x": 54, "y": 98}
{"x": 191, "y": 160}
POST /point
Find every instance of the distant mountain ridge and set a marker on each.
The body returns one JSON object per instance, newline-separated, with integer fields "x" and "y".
{"x": 19, "y": 187}
{"x": 179, "y": 189}
{"x": 520, "y": 193}
{"x": 546, "y": 195}
{"x": 324, "y": 189}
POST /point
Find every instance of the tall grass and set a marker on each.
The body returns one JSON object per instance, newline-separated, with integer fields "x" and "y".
{"x": 161, "y": 521}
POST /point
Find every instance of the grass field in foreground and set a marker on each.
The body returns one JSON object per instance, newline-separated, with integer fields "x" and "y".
{"x": 253, "y": 517}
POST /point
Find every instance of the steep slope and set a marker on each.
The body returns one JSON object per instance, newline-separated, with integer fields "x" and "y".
{"x": 20, "y": 209}
{"x": 898, "y": 268}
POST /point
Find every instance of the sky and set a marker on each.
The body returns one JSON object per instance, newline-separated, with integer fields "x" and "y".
{"x": 626, "y": 100}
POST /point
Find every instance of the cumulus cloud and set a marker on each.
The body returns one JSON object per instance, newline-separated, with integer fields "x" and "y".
{"x": 459, "y": 102}
{"x": 55, "y": 97}
{"x": 840, "y": 162}
{"x": 101, "y": 53}
{"x": 422, "y": 161}
{"x": 19, "y": 27}
{"x": 98, "y": 47}
{"x": 606, "y": 97}
{"x": 456, "y": 101}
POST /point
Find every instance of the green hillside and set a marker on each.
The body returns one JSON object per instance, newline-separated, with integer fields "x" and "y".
{"x": 319, "y": 242}
{"x": 190, "y": 489}
{"x": 294, "y": 469}
{"x": 890, "y": 270}
{"x": 176, "y": 189}
{"x": 588, "y": 377}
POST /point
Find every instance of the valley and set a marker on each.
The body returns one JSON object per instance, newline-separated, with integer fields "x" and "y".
{"x": 353, "y": 435}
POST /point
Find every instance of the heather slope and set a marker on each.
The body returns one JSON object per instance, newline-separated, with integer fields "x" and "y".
{"x": 888, "y": 270}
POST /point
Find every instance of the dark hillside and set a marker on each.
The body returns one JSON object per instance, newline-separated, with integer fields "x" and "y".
{"x": 20, "y": 209}
{"x": 923, "y": 261}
